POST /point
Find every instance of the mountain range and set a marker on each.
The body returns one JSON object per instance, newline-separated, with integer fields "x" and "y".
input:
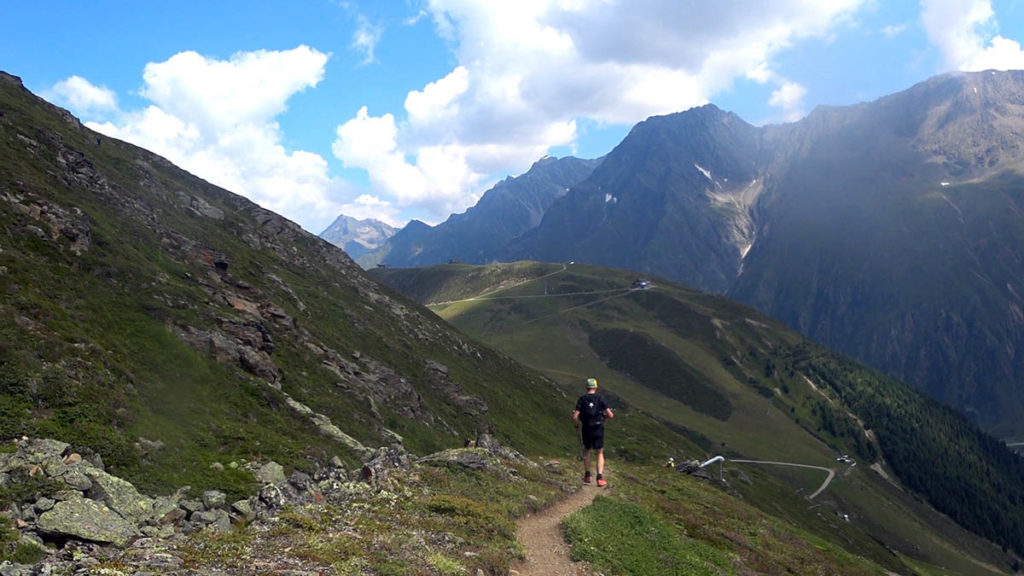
{"x": 161, "y": 335}
{"x": 889, "y": 230}
{"x": 506, "y": 211}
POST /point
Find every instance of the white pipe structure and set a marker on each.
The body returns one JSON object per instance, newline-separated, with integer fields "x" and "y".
{"x": 718, "y": 459}
{"x": 713, "y": 460}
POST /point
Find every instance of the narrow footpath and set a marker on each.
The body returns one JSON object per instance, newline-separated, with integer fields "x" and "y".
{"x": 547, "y": 553}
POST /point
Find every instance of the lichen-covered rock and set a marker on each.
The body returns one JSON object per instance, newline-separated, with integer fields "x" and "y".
{"x": 495, "y": 448}
{"x": 77, "y": 480}
{"x": 39, "y": 448}
{"x": 8, "y": 568}
{"x": 271, "y": 473}
{"x": 164, "y": 508}
{"x": 272, "y": 497}
{"x": 473, "y": 458}
{"x": 87, "y": 520}
{"x": 216, "y": 520}
{"x": 214, "y": 499}
{"x": 243, "y": 509}
{"x": 120, "y": 496}
{"x": 386, "y": 462}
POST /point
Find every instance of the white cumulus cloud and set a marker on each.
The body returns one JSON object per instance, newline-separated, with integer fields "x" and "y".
{"x": 790, "y": 99}
{"x": 965, "y": 33}
{"x": 216, "y": 119}
{"x": 527, "y": 73}
{"x": 82, "y": 97}
{"x": 368, "y": 206}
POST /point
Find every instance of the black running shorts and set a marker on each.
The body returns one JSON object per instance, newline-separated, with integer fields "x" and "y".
{"x": 593, "y": 437}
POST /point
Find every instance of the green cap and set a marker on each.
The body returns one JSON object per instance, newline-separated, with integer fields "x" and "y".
{"x": 591, "y": 383}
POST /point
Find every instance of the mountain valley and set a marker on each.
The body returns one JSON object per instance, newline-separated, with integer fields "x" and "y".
{"x": 236, "y": 395}
{"x": 888, "y": 230}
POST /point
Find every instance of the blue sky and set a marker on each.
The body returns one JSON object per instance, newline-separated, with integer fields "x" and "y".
{"x": 413, "y": 108}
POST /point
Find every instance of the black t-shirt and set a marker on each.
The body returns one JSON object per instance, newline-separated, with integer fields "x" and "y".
{"x": 592, "y": 409}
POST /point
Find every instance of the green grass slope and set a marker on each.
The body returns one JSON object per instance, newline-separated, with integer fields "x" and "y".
{"x": 699, "y": 375}
{"x": 169, "y": 325}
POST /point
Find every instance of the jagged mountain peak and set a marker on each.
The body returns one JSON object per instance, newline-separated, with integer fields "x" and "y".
{"x": 512, "y": 207}
{"x": 357, "y": 236}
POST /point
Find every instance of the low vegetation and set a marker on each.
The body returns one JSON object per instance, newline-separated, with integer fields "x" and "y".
{"x": 658, "y": 521}
{"x": 643, "y": 359}
{"x": 432, "y": 520}
{"x": 776, "y": 396}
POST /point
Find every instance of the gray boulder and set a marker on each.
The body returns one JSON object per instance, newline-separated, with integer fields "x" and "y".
{"x": 271, "y": 473}
{"x": 38, "y": 448}
{"x": 11, "y": 569}
{"x": 243, "y": 510}
{"x": 216, "y": 520}
{"x": 76, "y": 479}
{"x": 214, "y": 499}
{"x": 120, "y": 496}
{"x": 472, "y": 458}
{"x": 87, "y": 520}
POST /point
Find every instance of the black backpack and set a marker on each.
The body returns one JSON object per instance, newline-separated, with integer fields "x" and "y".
{"x": 591, "y": 413}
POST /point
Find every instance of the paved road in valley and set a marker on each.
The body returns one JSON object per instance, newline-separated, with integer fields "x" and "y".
{"x": 831, "y": 472}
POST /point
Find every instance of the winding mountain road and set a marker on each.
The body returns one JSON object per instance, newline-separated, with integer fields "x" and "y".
{"x": 828, "y": 479}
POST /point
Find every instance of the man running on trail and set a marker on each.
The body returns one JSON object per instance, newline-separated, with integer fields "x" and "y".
{"x": 591, "y": 410}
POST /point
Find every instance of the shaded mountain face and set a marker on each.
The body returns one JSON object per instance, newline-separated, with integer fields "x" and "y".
{"x": 138, "y": 301}
{"x": 673, "y": 196}
{"x": 357, "y": 237}
{"x": 894, "y": 232}
{"x": 506, "y": 211}
{"x": 890, "y": 230}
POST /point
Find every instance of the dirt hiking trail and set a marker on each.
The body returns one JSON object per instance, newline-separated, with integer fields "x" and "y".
{"x": 547, "y": 553}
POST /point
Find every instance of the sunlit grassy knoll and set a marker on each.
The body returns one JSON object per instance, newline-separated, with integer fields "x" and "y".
{"x": 661, "y": 522}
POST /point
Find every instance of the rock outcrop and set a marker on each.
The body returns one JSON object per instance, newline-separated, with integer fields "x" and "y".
{"x": 81, "y": 515}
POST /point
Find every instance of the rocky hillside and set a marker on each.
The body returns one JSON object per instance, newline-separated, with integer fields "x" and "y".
{"x": 145, "y": 307}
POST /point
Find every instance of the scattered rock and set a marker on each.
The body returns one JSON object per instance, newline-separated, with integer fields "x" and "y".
{"x": 94, "y": 518}
{"x": 216, "y": 520}
{"x": 88, "y": 520}
{"x": 214, "y": 499}
{"x": 243, "y": 509}
{"x": 271, "y": 473}
{"x": 380, "y": 469}
{"x": 120, "y": 496}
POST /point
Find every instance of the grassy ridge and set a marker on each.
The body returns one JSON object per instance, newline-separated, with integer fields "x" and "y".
{"x": 782, "y": 407}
